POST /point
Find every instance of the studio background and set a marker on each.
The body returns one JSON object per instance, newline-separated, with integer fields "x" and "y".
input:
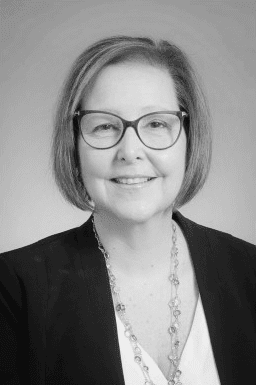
{"x": 41, "y": 39}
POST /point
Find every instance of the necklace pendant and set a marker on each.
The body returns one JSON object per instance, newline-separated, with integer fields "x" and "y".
{"x": 173, "y": 382}
{"x": 174, "y": 361}
{"x": 120, "y": 307}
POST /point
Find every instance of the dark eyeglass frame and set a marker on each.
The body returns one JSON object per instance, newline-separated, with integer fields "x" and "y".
{"x": 129, "y": 123}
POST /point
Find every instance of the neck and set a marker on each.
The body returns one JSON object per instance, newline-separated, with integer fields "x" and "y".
{"x": 136, "y": 248}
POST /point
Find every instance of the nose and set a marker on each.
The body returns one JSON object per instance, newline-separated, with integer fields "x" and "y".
{"x": 130, "y": 148}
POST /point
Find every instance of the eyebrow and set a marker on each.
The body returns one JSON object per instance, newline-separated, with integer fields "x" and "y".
{"x": 149, "y": 108}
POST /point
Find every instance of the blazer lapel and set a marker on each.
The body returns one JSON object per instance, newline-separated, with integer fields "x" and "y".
{"x": 104, "y": 329}
{"x": 221, "y": 314}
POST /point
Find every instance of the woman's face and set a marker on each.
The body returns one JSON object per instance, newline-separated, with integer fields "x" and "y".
{"x": 131, "y": 90}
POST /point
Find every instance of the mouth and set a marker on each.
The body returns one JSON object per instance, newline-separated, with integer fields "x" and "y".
{"x": 132, "y": 181}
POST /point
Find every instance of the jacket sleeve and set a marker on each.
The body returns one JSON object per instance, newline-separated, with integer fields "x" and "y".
{"x": 12, "y": 343}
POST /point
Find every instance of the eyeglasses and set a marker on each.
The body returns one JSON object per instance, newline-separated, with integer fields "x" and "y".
{"x": 157, "y": 130}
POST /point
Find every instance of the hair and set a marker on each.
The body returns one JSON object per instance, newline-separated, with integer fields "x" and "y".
{"x": 119, "y": 49}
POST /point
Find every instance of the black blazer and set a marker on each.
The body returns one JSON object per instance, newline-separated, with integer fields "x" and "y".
{"x": 58, "y": 325}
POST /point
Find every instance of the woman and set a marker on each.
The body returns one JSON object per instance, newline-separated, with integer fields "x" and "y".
{"x": 138, "y": 294}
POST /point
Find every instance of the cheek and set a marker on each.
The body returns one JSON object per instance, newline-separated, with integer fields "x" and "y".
{"x": 90, "y": 172}
{"x": 174, "y": 159}
{"x": 93, "y": 163}
{"x": 88, "y": 166}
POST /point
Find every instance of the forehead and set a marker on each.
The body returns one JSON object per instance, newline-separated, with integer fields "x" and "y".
{"x": 131, "y": 84}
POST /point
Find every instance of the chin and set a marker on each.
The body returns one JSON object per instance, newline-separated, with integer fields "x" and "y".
{"x": 137, "y": 213}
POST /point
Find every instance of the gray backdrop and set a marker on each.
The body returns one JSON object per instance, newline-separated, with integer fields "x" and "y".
{"x": 40, "y": 40}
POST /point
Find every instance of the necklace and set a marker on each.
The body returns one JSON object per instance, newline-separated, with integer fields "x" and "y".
{"x": 174, "y": 372}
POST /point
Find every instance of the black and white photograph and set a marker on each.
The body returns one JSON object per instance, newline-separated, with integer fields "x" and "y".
{"x": 128, "y": 185}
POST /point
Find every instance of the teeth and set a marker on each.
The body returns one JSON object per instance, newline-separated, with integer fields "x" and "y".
{"x": 131, "y": 180}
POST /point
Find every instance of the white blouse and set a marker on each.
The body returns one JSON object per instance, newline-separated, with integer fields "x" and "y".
{"x": 197, "y": 362}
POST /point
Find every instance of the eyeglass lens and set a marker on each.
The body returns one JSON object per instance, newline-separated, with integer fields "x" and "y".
{"x": 155, "y": 130}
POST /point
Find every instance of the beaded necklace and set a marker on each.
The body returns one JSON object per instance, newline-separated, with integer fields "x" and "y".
{"x": 174, "y": 303}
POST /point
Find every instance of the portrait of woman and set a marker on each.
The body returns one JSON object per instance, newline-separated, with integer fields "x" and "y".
{"x": 138, "y": 294}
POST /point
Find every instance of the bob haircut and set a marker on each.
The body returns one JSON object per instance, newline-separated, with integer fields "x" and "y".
{"x": 119, "y": 49}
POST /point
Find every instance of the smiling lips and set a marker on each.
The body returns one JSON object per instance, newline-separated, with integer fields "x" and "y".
{"x": 131, "y": 181}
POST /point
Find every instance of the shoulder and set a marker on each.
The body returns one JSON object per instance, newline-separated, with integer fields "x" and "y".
{"x": 227, "y": 251}
{"x": 216, "y": 238}
{"x": 224, "y": 239}
{"x": 29, "y": 269}
{"x": 222, "y": 261}
{"x": 233, "y": 254}
{"x": 58, "y": 247}
{"x": 232, "y": 245}
{"x": 48, "y": 242}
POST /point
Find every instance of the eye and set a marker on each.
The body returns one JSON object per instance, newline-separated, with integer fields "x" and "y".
{"x": 156, "y": 124}
{"x": 105, "y": 130}
{"x": 105, "y": 127}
